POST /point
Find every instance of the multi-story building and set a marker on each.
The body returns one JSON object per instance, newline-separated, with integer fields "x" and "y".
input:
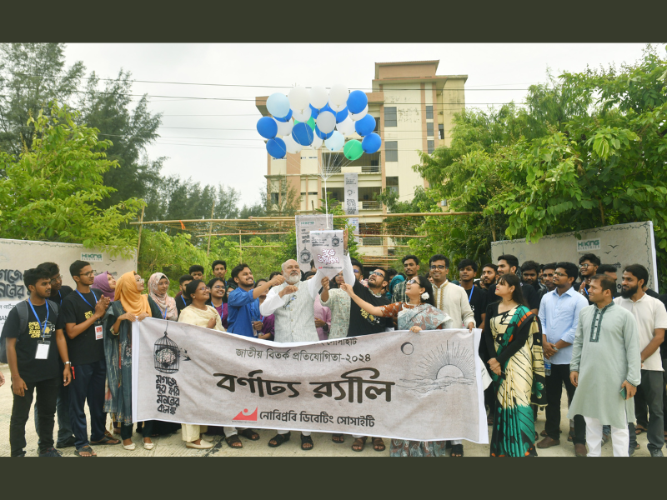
{"x": 414, "y": 110}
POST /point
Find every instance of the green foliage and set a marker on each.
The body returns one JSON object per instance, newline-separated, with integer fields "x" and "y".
{"x": 588, "y": 151}
{"x": 51, "y": 191}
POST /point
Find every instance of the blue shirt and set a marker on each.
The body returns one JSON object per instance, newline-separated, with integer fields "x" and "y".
{"x": 242, "y": 309}
{"x": 559, "y": 315}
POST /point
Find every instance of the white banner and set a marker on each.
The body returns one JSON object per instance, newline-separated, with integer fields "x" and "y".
{"x": 304, "y": 225}
{"x": 5, "y": 307}
{"x": 419, "y": 386}
{"x": 328, "y": 251}
{"x": 352, "y": 194}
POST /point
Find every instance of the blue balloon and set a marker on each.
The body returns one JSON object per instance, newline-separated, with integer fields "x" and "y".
{"x": 289, "y": 115}
{"x": 341, "y": 115}
{"x": 327, "y": 108}
{"x": 357, "y": 101}
{"x": 267, "y": 127}
{"x": 371, "y": 143}
{"x": 314, "y": 112}
{"x": 276, "y": 148}
{"x": 365, "y": 126}
{"x": 322, "y": 135}
{"x": 303, "y": 134}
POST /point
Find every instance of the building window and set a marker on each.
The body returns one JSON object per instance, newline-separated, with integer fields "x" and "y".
{"x": 429, "y": 112}
{"x": 377, "y": 124}
{"x": 391, "y": 151}
{"x": 429, "y": 129}
{"x": 441, "y": 129}
{"x": 392, "y": 184}
{"x": 275, "y": 198}
{"x": 431, "y": 146}
{"x": 390, "y": 117}
{"x": 312, "y": 193}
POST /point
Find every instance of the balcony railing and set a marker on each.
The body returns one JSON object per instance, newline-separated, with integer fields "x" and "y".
{"x": 336, "y": 169}
{"x": 371, "y": 205}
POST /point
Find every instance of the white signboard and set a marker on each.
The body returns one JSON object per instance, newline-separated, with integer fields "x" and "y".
{"x": 353, "y": 221}
{"x": 425, "y": 386}
{"x": 352, "y": 194}
{"x": 327, "y": 249}
{"x": 5, "y": 307}
{"x": 586, "y": 246}
{"x": 304, "y": 225}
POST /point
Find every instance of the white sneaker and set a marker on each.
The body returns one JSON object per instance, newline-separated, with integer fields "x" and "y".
{"x": 203, "y": 445}
{"x": 129, "y": 447}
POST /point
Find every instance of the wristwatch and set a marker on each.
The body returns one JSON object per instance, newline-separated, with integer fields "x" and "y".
{"x": 68, "y": 363}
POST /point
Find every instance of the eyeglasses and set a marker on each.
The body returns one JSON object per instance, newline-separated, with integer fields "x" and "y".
{"x": 218, "y": 287}
{"x": 90, "y": 273}
{"x": 201, "y": 289}
{"x": 56, "y": 279}
{"x": 560, "y": 274}
{"x": 585, "y": 265}
{"x": 438, "y": 267}
{"x": 356, "y": 271}
{"x": 376, "y": 273}
{"x": 411, "y": 282}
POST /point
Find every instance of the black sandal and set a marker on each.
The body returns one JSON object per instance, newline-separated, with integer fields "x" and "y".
{"x": 363, "y": 444}
{"x": 85, "y": 449}
{"x": 378, "y": 444}
{"x": 249, "y": 434}
{"x": 338, "y": 438}
{"x": 105, "y": 441}
{"x": 280, "y": 439}
{"x": 232, "y": 440}
{"x": 306, "y": 440}
{"x": 457, "y": 451}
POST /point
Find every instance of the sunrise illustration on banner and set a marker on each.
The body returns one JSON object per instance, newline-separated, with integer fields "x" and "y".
{"x": 441, "y": 368}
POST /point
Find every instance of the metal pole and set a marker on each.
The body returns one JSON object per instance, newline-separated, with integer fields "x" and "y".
{"x": 240, "y": 248}
{"x": 210, "y": 230}
{"x": 141, "y": 226}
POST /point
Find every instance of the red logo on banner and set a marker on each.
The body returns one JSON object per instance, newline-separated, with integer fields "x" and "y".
{"x": 243, "y": 415}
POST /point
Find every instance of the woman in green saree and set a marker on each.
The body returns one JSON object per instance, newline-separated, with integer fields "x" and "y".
{"x": 514, "y": 342}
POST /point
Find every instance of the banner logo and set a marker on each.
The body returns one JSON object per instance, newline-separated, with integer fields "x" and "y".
{"x": 243, "y": 415}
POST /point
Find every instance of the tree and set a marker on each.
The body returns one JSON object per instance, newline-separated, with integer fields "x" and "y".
{"x": 31, "y": 76}
{"x": 51, "y": 191}
{"x": 589, "y": 151}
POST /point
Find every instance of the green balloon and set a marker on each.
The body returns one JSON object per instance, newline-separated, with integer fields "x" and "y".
{"x": 353, "y": 150}
{"x": 311, "y": 123}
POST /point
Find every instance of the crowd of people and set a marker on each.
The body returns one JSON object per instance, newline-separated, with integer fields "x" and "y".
{"x": 544, "y": 327}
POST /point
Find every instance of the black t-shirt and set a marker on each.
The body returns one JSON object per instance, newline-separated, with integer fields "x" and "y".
{"x": 478, "y": 301}
{"x": 59, "y": 296}
{"x": 529, "y": 294}
{"x": 34, "y": 370}
{"x": 83, "y": 349}
{"x": 362, "y": 323}
{"x": 180, "y": 302}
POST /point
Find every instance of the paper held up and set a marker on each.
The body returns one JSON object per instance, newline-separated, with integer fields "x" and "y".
{"x": 328, "y": 250}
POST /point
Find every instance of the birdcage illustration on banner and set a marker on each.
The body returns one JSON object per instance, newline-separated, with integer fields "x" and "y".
{"x": 166, "y": 354}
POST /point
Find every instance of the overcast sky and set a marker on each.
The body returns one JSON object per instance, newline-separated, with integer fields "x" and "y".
{"x": 215, "y": 141}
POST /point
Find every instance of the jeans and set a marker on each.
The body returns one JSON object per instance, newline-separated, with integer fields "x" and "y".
{"x": 62, "y": 410}
{"x": 88, "y": 384}
{"x": 47, "y": 394}
{"x": 146, "y": 430}
{"x": 560, "y": 374}
{"x": 651, "y": 392}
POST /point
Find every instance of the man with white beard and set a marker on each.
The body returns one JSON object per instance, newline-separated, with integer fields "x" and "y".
{"x": 292, "y": 305}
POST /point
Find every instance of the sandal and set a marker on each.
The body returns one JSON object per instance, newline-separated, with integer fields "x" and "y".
{"x": 359, "y": 447}
{"x": 338, "y": 438}
{"x": 249, "y": 434}
{"x": 378, "y": 444}
{"x": 106, "y": 441}
{"x": 85, "y": 449}
{"x": 234, "y": 441}
{"x": 306, "y": 440}
{"x": 457, "y": 450}
{"x": 279, "y": 439}
{"x": 639, "y": 429}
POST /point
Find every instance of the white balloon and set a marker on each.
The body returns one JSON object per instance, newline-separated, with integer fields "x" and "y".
{"x": 317, "y": 143}
{"x": 278, "y": 104}
{"x": 338, "y": 95}
{"x": 335, "y": 142}
{"x": 337, "y": 107}
{"x": 292, "y": 146}
{"x": 319, "y": 97}
{"x": 326, "y": 122}
{"x": 303, "y": 116}
{"x": 299, "y": 98}
{"x": 345, "y": 127}
{"x": 285, "y": 128}
{"x": 359, "y": 116}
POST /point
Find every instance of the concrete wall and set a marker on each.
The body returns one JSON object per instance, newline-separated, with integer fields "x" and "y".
{"x": 18, "y": 255}
{"x": 618, "y": 245}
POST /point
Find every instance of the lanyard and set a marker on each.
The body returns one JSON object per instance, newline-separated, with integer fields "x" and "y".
{"x": 84, "y": 299}
{"x": 42, "y": 330}
{"x": 183, "y": 299}
{"x": 61, "y": 298}
{"x": 164, "y": 315}
{"x": 471, "y": 292}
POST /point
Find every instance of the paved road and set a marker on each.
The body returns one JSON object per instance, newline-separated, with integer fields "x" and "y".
{"x": 324, "y": 447}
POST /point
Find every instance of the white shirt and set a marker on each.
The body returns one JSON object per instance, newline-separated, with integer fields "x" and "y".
{"x": 452, "y": 299}
{"x": 650, "y": 314}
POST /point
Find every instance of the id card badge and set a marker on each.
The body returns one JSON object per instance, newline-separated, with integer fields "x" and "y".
{"x": 98, "y": 333}
{"x": 42, "y": 350}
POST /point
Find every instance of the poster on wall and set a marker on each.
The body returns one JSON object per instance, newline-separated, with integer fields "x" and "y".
{"x": 352, "y": 194}
{"x": 304, "y": 225}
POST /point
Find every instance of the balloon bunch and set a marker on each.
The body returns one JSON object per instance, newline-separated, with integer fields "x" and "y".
{"x": 316, "y": 117}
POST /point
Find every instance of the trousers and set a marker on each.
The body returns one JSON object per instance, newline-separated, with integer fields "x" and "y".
{"x": 146, "y": 430}
{"x": 285, "y": 431}
{"x": 88, "y": 386}
{"x": 62, "y": 412}
{"x": 47, "y": 394}
{"x": 560, "y": 374}
{"x": 651, "y": 394}
{"x": 620, "y": 438}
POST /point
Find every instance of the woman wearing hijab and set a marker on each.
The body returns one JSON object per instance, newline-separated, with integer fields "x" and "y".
{"x": 106, "y": 283}
{"x": 158, "y": 287}
{"x": 129, "y": 305}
